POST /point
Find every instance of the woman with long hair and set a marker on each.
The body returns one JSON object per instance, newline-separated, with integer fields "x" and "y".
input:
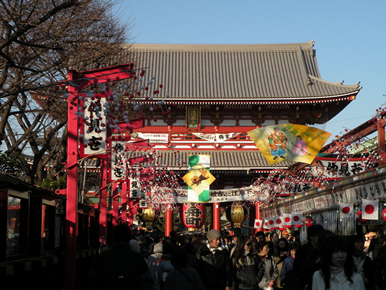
{"x": 337, "y": 269}
{"x": 248, "y": 268}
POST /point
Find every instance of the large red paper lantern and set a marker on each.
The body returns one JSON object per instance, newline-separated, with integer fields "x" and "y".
{"x": 309, "y": 222}
{"x": 384, "y": 214}
{"x": 359, "y": 217}
{"x": 193, "y": 215}
{"x": 299, "y": 226}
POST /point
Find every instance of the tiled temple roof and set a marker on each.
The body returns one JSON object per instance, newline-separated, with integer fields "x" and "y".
{"x": 237, "y": 72}
{"x": 234, "y": 72}
{"x": 222, "y": 160}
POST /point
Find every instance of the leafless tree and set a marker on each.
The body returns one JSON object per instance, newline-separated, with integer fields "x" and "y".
{"x": 40, "y": 41}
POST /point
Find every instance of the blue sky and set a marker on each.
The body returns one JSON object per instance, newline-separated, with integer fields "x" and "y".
{"x": 350, "y": 37}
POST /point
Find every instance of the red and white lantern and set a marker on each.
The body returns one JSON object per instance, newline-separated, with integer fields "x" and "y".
{"x": 359, "y": 217}
{"x": 384, "y": 214}
{"x": 193, "y": 215}
{"x": 309, "y": 222}
{"x": 299, "y": 225}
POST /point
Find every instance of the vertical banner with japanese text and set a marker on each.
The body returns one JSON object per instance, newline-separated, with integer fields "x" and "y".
{"x": 94, "y": 125}
{"x": 118, "y": 160}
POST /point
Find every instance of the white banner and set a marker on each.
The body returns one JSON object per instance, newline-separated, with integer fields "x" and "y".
{"x": 94, "y": 131}
{"x": 340, "y": 169}
{"x": 118, "y": 160}
{"x": 217, "y": 138}
{"x": 224, "y": 195}
{"x": 371, "y": 190}
{"x": 155, "y": 138}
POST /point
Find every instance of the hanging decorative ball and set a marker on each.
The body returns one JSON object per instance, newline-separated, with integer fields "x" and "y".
{"x": 359, "y": 217}
{"x": 384, "y": 214}
{"x": 299, "y": 226}
{"x": 309, "y": 222}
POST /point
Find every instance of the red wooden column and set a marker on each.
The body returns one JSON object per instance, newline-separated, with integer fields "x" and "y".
{"x": 72, "y": 184}
{"x": 258, "y": 216}
{"x": 381, "y": 138}
{"x": 44, "y": 208}
{"x": 103, "y": 202}
{"x": 115, "y": 203}
{"x": 216, "y": 214}
{"x": 82, "y": 80}
{"x": 168, "y": 220}
{"x": 131, "y": 211}
{"x": 125, "y": 200}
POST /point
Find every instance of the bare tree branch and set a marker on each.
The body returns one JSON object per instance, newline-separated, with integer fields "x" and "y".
{"x": 40, "y": 40}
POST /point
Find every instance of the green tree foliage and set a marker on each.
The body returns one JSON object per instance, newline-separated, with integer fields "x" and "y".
{"x": 12, "y": 163}
{"x": 60, "y": 183}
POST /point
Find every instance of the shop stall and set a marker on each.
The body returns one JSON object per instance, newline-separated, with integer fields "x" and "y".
{"x": 348, "y": 206}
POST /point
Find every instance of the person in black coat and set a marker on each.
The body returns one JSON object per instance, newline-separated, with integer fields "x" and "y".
{"x": 311, "y": 263}
{"x": 248, "y": 267}
{"x": 120, "y": 266}
{"x": 302, "y": 254}
{"x": 213, "y": 263}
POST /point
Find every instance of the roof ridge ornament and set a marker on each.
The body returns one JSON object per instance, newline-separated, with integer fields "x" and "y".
{"x": 303, "y": 67}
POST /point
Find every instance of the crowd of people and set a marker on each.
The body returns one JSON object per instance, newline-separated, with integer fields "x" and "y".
{"x": 265, "y": 260}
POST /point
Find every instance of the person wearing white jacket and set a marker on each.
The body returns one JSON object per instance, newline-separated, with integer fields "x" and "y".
{"x": 337, "y": 269}
{"x": 152, "y": 260}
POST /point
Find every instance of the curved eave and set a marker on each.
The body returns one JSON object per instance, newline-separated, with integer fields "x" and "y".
{"x": 324, "y": 99}
{"x": 307, "y": 45}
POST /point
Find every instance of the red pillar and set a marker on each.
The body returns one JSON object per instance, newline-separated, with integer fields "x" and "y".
{"x": 216, "y": 214}
{"x": 44, "y": 208}
{"x": 103, "y": 202}
{"x": 258, "y": 216}
{"x": 131, "y": 211}
{"x": 381, "y": 139}
{"x": 115, "y": 203}
{"x": 168, "y": 220}
{"x": 72, "y": 185}
{"x": 125, "y": 200}
{"x": 83, "y": 79}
